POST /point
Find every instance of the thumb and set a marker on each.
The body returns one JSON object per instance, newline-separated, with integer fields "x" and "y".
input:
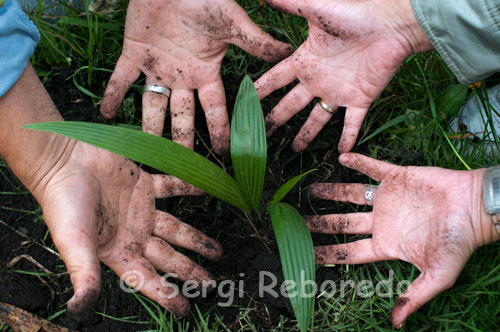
{"x": 79, "y": 254}
{"x": 254, "y": 40}
{"x": 421, "y": 291}
{"x": 72, "y": 221}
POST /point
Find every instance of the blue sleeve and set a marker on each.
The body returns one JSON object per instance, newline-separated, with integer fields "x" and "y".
{"x": 18, "y": 38}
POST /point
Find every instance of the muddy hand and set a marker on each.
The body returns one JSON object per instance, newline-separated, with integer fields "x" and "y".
{"x": 101, "y": 207}
{"x": 180, "y": 45}
{"x": 431, "y": 217}
{"x": 353, "y": 50}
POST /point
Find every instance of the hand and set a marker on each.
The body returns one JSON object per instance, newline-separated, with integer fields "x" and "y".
{"x": 98, "y": 205}
{"x": 353, "y": 50}
{"x": 431, "y": 217}
{"x": 180, "y": 45}
{"x": 101, "y": 207}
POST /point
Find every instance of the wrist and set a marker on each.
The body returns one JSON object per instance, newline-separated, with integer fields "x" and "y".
{"x": 33, "y": 156}
{"x": 484, "y": 229}
{"x": 401, "y": 19}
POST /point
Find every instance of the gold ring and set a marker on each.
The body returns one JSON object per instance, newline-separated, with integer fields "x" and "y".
{"x": 326, "y": 107}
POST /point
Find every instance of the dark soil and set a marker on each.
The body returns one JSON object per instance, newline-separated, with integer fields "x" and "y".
{"x": 246, "y": 252}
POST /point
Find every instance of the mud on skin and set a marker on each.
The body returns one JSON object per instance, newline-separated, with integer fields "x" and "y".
{"x": 323, "y": 254}
{"x": 320, "y": 225}
{"x": 316, "y": 223}
{"x": 219, "y": 26}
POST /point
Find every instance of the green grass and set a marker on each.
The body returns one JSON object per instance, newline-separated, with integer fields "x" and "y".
{"x": 90, "y": 43}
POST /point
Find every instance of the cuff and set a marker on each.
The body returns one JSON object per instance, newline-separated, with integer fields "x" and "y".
{"x": 18, "y": 39}
{"x": 466, "y": 33}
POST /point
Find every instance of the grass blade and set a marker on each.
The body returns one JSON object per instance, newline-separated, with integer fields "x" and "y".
{"x": 154, "y": 151}
{"x": 388, "y": 124}
{"x": 248, "y": 143}
{"x": 297, "y": 257}
{"x": 285, "y": 188}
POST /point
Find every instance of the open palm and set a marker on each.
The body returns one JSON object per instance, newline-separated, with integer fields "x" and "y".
{"x": 428, "y": 216}
{"x": 180, "y": 45}
{"x": 349, "y": 57}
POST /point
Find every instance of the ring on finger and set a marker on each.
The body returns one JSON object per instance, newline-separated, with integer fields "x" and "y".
{"x": 157, "y": 89}
{"x": 369, "y": 194}
{"x": 326, "y": 107}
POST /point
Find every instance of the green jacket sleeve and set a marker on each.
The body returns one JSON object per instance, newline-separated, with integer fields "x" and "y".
{"x": 466, "y": 33}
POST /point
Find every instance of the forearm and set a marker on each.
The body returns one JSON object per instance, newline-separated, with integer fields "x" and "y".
{"x": 31, "y": 155}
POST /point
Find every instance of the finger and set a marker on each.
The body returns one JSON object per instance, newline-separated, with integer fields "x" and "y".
{"x": 124, "y": 74}
{"x": 277, "y": 77}
{"x": 341, "y": 192}
{"x": 182, "y": 114}
{"x": 183, "y": 235}
{"x": 79, "y": 254}
{"x": 297, "y": 7}
{"x": 166, "y": 259}
{"x": 292, "y": 103}
{"x": 358, "y": 252}
{"x": 374, "y": 168}
{"x": 170, "y": 186}
{"x": 72, "y": 223}
{"x": 154, "y": 106}
{"x": 213, "y": 101}
{"x": 351, "y": 223}
{"x": 311, "y": 128}
{"x": 421, "y": 291}
{"x": 251, "y": 38}
{"x": 141, "y": 276}
{"x": 353, "y": 121}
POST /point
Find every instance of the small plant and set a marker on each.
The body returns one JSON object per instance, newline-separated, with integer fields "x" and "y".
{"x": 249, "y": 155}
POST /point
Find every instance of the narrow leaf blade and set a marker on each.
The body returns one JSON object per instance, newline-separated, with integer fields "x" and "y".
{"x": 297, "y": 255}
{"x": 248, "y": 143}
{"x": 388, "y": 124}
{"x": 154, "y": 151}
{"x": 285, "y": 188}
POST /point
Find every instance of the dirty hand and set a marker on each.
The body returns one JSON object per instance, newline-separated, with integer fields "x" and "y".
{"x": 180, "y": 45}
{"x": 101, "y": 207}
{"x": 431, "y": 217}
{"x": 98, "y": 206}
{"x": 353, "y": 50}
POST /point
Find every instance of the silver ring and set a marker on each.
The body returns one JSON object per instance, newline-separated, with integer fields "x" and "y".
{"x": 326, "y": 107}
{"x": 369, "y": 194}
{"x": 157, "y": 89}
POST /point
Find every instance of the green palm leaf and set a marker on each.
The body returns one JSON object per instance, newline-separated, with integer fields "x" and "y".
{"x": 297, "y": 257}
{"x": 154, "y": 151}
{"x": 248, "y": 143}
